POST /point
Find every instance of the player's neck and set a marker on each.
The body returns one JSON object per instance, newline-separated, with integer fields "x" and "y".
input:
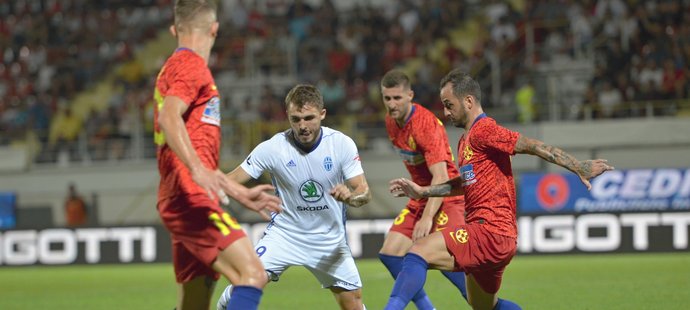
{"x": 199, "y": 45}
{"x": 473, "y": 116}
{"x": 307, "y": 148}
{"x": 401, "y": 122}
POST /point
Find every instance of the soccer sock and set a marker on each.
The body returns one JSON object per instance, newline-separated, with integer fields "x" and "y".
{"x": 394, "y": 264}
{"x": 409, "y": 282}
{"x": 244, "y": 298}
{"x": 458, "y": 279}
{"x": 503, "y": 304}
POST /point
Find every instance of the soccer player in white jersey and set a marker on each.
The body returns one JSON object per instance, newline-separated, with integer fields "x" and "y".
{"x": 317, "y": 173}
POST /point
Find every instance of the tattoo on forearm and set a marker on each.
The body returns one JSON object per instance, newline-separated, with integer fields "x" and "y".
{"x": 559, "y": 157}
{"x": 438, "y": 190}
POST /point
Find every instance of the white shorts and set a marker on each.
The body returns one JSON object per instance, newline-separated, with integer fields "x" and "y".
{"x": 333, "y": 266}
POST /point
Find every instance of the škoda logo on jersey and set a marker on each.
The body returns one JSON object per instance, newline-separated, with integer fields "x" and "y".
{"x": 311, "y": 191}
{"x": 459, "y": 235}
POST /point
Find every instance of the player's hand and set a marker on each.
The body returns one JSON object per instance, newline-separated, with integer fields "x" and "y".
{"x": 341, "y": 193}
{"x": 403, "y": 187}
{"x": 258, "y": 200}
{"x": 212, "y": 182}
{"x": 422, "y": 228}
{"x": 589, "y": 169}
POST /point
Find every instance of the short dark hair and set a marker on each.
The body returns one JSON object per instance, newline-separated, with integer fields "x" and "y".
{"x": 394, "y": 78}
{"x": 304, "y": 94}
{"x": 186, "y": 12}
{"x": 462, "y": 84}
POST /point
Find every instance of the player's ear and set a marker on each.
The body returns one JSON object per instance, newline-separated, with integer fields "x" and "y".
{"x": 323, "y": 114}
{"x": 214, "y": 29}
{"x": 411, "y": 94}
{"x": 468, "y": 101}
{"x": 173, "y": 31}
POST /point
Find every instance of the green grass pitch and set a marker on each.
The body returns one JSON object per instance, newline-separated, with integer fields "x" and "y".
{"x": 639, "y": 281}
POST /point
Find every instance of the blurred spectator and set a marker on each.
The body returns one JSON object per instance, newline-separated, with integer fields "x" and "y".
{"x": 64, "y": 132}
{"x": 609, "y": 100}
{"x": 503, "y": 32}
{"x": 75, "y": 208}
{"x": 98, "y": 130}
{"x": 333, "y": 91}
{"x": 248, "y": 113}
{"x": 651, "y": 73}
{"x": 525, "y": 102}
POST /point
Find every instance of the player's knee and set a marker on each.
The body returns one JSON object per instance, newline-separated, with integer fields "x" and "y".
{"x": 251, "y": 275}
{"x": 256, "y": 278}
{"x": 350, "y": 300}
{"x": 421, "y": 250}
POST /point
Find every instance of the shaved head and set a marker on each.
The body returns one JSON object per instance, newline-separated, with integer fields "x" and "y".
{"x": 194, "y": 15}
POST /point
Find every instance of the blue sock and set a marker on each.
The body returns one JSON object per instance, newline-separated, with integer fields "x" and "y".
{"x": 244, "y": 298}
{"x": 409, "y": 282}
{"x": 394, "y": 264}
{"x": 503, "y": 304}
{"x": 458, "y": 279}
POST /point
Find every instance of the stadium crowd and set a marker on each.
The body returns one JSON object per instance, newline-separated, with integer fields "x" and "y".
{"x": 52, "y": 50}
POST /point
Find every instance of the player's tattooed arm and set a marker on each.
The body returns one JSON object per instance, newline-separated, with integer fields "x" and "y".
{"x": 551, "y": 154}
{"x": 586, "y": 169}
{"x": 452, "y": 187}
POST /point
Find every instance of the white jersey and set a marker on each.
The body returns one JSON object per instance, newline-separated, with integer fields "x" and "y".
{"x": 303, "y": 180}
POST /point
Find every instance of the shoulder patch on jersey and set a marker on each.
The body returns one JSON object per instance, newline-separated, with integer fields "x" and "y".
{"x": 212, "y": 112}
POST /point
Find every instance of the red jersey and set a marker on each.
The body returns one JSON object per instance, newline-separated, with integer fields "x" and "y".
{"x": 186, "y": 75}
{"x": 421, "y": 142}
{"x": 484, "y": 160}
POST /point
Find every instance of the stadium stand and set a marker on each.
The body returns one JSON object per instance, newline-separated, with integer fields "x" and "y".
{"x": 76, "y": 76}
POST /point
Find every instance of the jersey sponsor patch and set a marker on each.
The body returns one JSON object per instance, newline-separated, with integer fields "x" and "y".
{"x": 468, "y": 176}
{"x": 410, "y": 157}
{"x": 311, "y": 191}
{"x": 212, "y": 112}
{"x": 291, "y": 163}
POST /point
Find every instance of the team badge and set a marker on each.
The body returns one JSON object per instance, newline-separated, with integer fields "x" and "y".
{"x": 311, "y": 191}
{"x": 328, "y": 163}
{"x": 411, "y": 143}
{"x": 212, "y": 112}
{"x": 441, "y": 218}
{"x": 467, "y": 153}
{"x": 459, "y": 235}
